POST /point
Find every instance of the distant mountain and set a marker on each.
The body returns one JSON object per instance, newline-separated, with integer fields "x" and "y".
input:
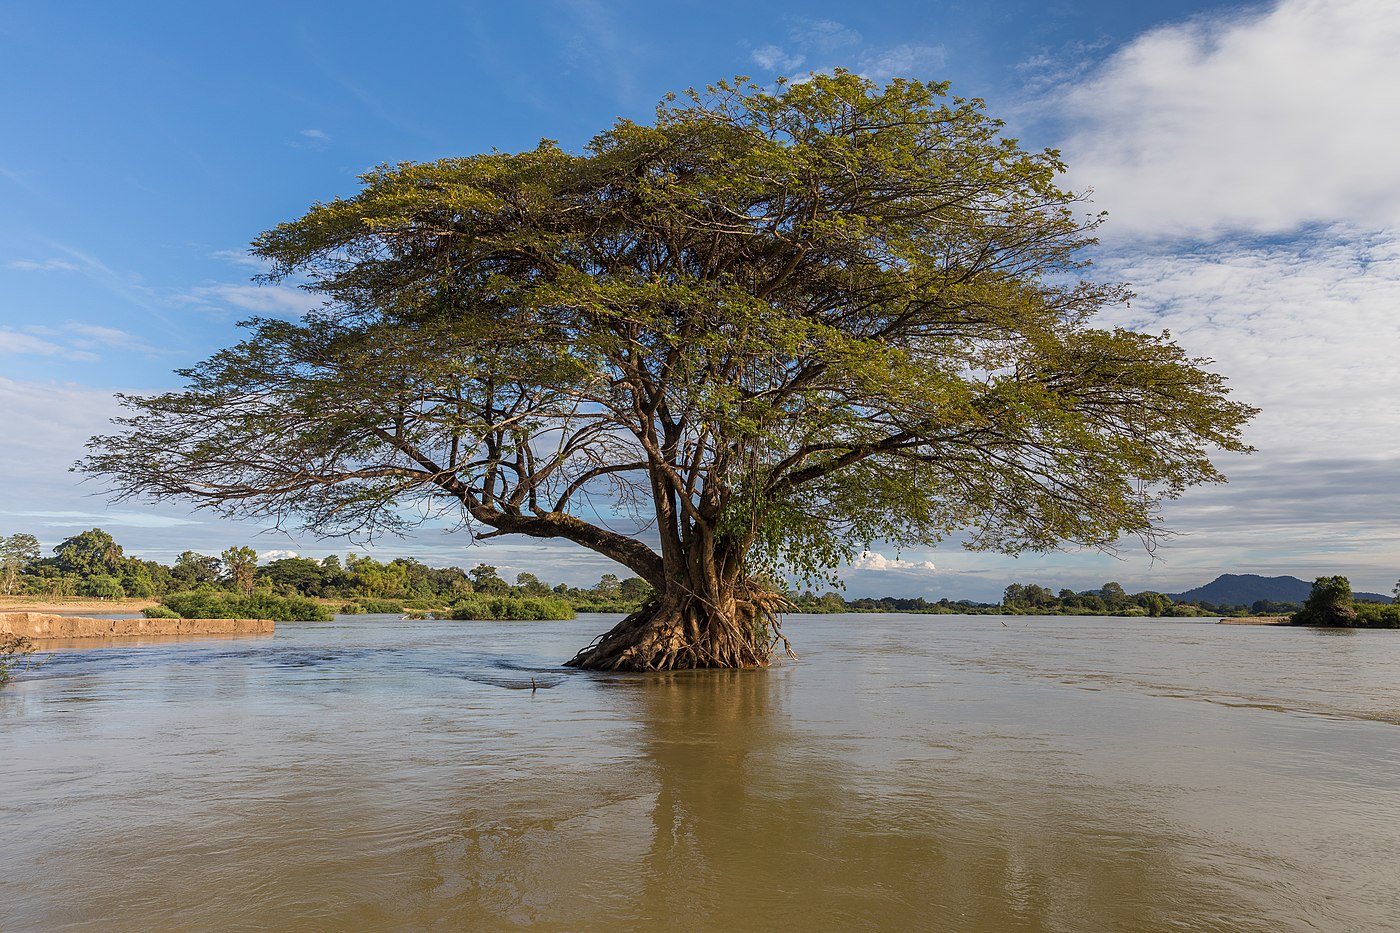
{"x": 1242, "y": 589}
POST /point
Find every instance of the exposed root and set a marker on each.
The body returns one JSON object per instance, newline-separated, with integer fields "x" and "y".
{"x": 685, "y": 632}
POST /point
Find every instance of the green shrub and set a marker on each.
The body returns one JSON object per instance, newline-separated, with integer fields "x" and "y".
{"x": 512, "y": 608}
{"x": 15, "y": 652}
{"x": 380, "y": 605}
{"x": 159, "y": 612}
{"x": 1377, "y": 615}
{"x": 352, "y": 609}
{"x": 213, "y": 605}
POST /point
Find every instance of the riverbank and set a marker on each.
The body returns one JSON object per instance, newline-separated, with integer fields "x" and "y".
{"x": 43, "y": 626}
{"x": 1255, "y": 620}
{"x": 73, "y": 604}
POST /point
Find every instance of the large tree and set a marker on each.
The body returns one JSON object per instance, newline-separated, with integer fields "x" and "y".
{"x": 753, "y": 337}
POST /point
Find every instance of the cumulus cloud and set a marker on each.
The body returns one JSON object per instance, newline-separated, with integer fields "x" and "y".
{"x": 1245, "y": 122}
{"x": 870, "y": 560}
{"x": 266, "y": 557}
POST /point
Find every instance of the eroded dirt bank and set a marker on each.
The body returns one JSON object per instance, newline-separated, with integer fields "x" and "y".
{"x": 43, "y": 625}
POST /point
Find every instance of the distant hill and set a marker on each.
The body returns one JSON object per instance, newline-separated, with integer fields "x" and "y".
{"x": 1242, "y": 589}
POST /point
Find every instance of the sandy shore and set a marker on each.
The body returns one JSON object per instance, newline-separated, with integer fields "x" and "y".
{"x": 1255, "y": 620}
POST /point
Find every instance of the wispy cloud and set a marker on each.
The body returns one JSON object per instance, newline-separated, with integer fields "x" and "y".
{"x": 15, "y": 343}
{"x": 600, "y": 46}
{"x": 774, "y": 58}
{"x": 312, "y": 139}
{"x": 240, "y": 257}
{"x": 43, "y": 265}
{"x": 1245, "y": 122}
{"x": 823, "y": 35}
{"x": 826, "y": 44}
{"x": 278, "y": 300}
{"x": 93, "y": 336}
{"x": 69, "y": 519}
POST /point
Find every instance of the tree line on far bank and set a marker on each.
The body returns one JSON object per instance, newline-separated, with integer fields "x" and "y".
{"x": 92, "y": 564}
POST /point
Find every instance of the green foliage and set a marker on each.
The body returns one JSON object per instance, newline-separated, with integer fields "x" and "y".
{"x": 17, "y": 553}
{"x": 1110, "y": 599}
{"x": 208, "y": 604}
{"x": 240, "y": 568}
{"x": 192, "y": 569}
{"x": 164, "y": 612}
{"x": 1377, "y": 615}
{"x": 486, "y": 580}
{"x": 16, "y": 654}
{"x": 102, "y": 586}
{"x": 92, "y": 553}
{"x": 1330, "y": 603}
{"x": 380, "y": 606}
{"x": 513, "y": 608}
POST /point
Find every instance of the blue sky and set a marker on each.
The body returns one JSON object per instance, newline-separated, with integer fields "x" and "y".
{"x": 1245, "y": 154}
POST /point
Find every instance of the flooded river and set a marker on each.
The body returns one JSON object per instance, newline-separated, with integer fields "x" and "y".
{"x": 908, "y": 773}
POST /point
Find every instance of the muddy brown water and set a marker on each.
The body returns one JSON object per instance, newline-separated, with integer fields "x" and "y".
{"x": 908, "y": 773}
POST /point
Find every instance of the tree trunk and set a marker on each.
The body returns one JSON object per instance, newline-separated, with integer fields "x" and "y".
{"x": 715, "y": 625}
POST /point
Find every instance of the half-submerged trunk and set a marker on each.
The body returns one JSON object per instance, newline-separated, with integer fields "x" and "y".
{"x": 715, "y": 625}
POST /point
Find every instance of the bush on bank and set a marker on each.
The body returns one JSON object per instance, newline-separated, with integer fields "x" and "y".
{"x": 210, "y": 604}
{"x": 512, "y": 608}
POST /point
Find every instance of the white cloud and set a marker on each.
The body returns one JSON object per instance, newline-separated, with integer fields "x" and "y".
{"x": 870, "y": 560}
{"x": 321, "y": 135}
{"x": 1306, "y": 330}
{"x": 265, "y": 557}
{"x": 773, "y": 58}
{"x": 14, "y": 343}
{"x": 1253, "y": 122}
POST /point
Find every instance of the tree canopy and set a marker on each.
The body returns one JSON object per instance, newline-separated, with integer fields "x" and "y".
{"x": 754, "y": 336}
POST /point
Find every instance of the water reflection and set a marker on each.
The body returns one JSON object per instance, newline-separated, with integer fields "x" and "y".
{"x": 756, "y": 825}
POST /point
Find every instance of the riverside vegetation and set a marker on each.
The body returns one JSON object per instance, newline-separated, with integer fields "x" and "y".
{"x": 234, "y": 585}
